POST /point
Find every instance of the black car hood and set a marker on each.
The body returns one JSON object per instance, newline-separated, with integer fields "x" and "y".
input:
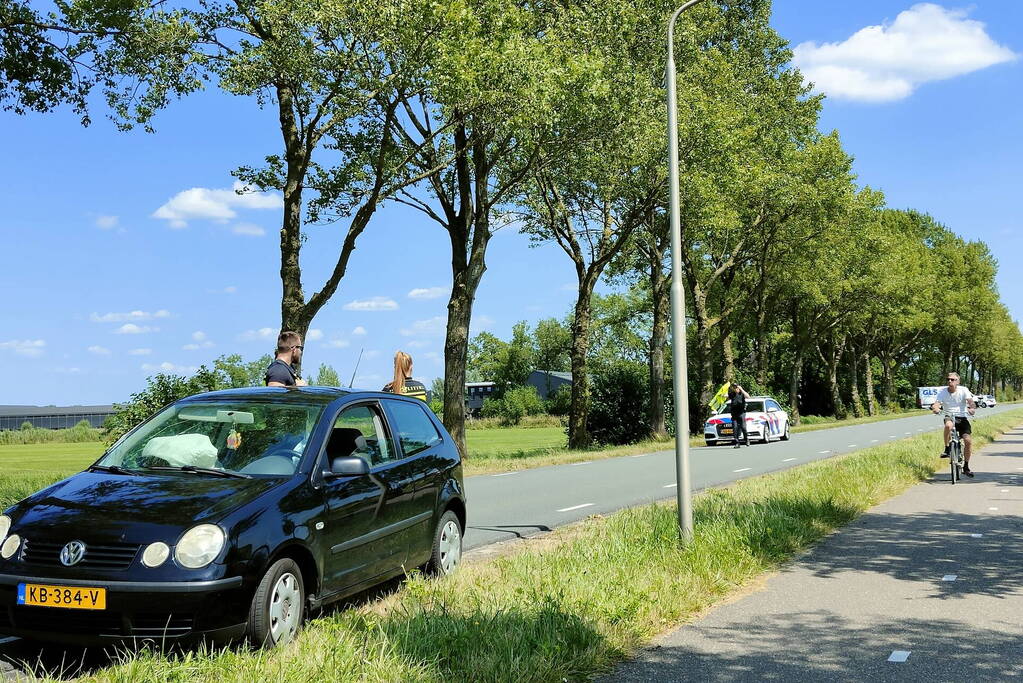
{"x": 113, "y": 506}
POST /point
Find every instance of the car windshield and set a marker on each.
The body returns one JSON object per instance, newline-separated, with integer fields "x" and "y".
{"x": 751, "y": 407}
{"x": 247, "y": 438}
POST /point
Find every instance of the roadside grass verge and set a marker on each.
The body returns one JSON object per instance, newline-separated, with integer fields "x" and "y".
{"x": 570, "y": 605}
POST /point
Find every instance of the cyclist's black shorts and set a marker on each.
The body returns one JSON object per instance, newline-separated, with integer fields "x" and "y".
{"x": 963, "y": 426}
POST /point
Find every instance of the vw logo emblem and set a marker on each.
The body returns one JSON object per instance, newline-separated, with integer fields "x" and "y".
{"x": 72, "y": 553}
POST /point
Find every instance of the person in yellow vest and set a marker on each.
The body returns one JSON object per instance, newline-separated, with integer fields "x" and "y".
{"x": 403, "y": 382}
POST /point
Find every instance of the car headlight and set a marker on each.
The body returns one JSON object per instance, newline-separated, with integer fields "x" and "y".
{"x": 5, "y": 526}
{"x": 10, "y": 546}
{"x": 155, "y": 554}
{"x": 199, "y": 546}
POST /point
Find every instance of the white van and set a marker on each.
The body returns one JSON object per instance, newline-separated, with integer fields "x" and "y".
{"x": 925, "y": 396}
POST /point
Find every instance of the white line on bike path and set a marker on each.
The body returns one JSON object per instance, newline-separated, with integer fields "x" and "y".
{"x": 899, "y": 655}
{"x": 505, "y": 474}
{"x": 788, "y": 459}
{"x": 823, "y": 452}
{"x": 670, "y": 486}
{"x": 576, "y": 507}
{"x": 950, "y": 577}
{"x": 743, "y": 469}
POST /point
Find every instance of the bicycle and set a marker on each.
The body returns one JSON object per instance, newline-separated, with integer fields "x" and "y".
{"x": 955, "y": 445}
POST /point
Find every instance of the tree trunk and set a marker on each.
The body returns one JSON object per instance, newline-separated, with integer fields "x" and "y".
{"x": 658, "y": 342}
{"x": 797, "y": 376}
{"x": 854, "y": 371}
{"x": 578, "y": 435}
{"x": 888, "y": 377}
{"x": 704, "y": 350}
{"x": 868, "y": 372}
{"x": 837, "y": 349}
{"x": 729, "y": 357}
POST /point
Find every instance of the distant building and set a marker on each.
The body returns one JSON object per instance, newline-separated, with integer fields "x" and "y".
{"x": 547, "y": 382}
{"x": 53, "y": 417}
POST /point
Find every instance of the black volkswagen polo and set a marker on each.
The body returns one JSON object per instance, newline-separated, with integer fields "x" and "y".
{"x": 234, "y": 513}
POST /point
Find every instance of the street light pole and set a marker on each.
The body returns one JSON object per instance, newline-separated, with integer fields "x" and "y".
{"x": 683, "y": 490}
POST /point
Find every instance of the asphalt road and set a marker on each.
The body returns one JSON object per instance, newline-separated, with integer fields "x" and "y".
{"x": 515, "y": 504}
{"x": 926, "y": 587}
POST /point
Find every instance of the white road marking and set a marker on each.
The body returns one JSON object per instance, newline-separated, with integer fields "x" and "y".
{"x": 919, "y": 430}
{"x": 873, "y": 441}
{"x": 1005, "y": 490}
{"x": 852, "y": 445}
{"x": 576, "y": 507}
{"x": 899, "y": 655}
{"x": 976, "y": 535}
{"x": 822, "y": 452}
{"x": 641, "y": 455}
{"x": 669, "y": 486}
{"x": 584, "y": 462}
{"x": 992, "y": 509}
{"x": 505, "y": 474}
{"x": 788, "y": 459}
{"x": 893, "y": 437}
{"x": 949, "y": 577}
{"x": 743, "y": 469}
{"x": 908, "y": 433}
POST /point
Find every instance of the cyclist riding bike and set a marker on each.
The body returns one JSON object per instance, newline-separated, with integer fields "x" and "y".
{"x": 958, "y": 401}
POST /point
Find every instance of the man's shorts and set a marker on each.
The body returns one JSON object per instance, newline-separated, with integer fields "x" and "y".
{"x": 963, "y": 426}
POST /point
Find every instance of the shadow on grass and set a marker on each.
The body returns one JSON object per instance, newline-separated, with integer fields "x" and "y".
{"x": 542, "y": 642}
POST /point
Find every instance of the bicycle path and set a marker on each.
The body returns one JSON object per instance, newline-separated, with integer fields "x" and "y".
{"x": 927, "y": 586}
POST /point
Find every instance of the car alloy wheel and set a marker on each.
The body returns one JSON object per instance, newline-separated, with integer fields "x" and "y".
{"x": 278, "y": 605}
{"x": 285, "y": 608}
{"x": 447, "y": 545}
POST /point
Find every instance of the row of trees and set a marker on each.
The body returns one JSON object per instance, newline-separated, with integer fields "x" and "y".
{"x": 482, "y": 113}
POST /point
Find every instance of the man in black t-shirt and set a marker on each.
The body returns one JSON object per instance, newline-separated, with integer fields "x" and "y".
{"x": 737, "y": 407}
{"x": 281, "y": 372}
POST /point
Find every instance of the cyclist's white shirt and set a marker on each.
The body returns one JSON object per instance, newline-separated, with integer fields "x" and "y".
{"x": 955, "y": 403}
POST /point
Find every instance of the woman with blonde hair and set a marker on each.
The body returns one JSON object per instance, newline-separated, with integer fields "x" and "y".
{"x": 403, "y": 382}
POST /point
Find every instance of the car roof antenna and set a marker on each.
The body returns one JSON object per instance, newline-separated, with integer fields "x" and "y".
{"x": 356, "y": 367}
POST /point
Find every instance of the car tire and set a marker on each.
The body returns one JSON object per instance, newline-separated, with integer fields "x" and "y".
{"x": 446, "y": 551}
{"x": 278, "y": 606}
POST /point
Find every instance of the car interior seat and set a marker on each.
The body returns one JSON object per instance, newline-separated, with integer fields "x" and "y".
{"x": 344, "y": 442}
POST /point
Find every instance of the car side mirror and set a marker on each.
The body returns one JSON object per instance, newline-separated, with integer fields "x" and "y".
{"x": 349, "y": 466}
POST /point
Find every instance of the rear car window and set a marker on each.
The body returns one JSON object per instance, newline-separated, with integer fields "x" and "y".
{"x": 415, "y": 429}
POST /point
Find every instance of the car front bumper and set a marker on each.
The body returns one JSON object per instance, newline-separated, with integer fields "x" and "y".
{"x": 145, "y": 610}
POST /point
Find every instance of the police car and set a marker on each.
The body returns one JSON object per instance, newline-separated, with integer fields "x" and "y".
{"x": 766, "y": 421}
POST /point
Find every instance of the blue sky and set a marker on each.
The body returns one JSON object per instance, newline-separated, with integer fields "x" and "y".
{"x": 112, "y": 273}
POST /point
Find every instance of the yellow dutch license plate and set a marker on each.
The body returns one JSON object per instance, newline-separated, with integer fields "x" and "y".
{"x": 726, "y": 431}
{"x": 68, "y": 597}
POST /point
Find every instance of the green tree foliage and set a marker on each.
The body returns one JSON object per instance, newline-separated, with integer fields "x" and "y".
{"x": 515, "y": 404}
{"x": 161, "y": 390}
{"x": 618, "y": 415}
{"x": 234, "y": 372}
{"x": 327, "y": 377}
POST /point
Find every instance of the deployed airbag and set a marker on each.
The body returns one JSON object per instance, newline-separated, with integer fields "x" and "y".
{"x": 183, "y": 449}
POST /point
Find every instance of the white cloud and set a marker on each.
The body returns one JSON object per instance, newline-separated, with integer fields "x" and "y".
{"x": 427, "y": 293}
{"x": 433, "y": 356}
{"x": 132, "y": 328}
{"x": 480, "y": 322}
{"x": 106, "y": 222}
{"x": 376, "y": 303}
{"x": 359, "y": 331}
{"x": 431, "y": 327}
{"x": 216, "y": 205}
{"x": 368, "y": 380}
{"x": 569, "y": 287}
{"x": 371, "y": 354}
{"x": 199, "y": 336}
{"x": 889, "y": 61}
{"x": 99, "y": 350}
{"x": 196, "y": 347}
{"x": 338, "y": 344}
{"x": 169, "y": 367}
{"x": 248, "y": 229}
{"x": 140, "y": 352}
{"x": 24, "y": 347}
{"x": 415, "y": 344}
{"x": 132, "y": 316}
{"x": 314, "y": 335}
{"x": 260, "y": 334}
{"x": 231, "y": 289}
